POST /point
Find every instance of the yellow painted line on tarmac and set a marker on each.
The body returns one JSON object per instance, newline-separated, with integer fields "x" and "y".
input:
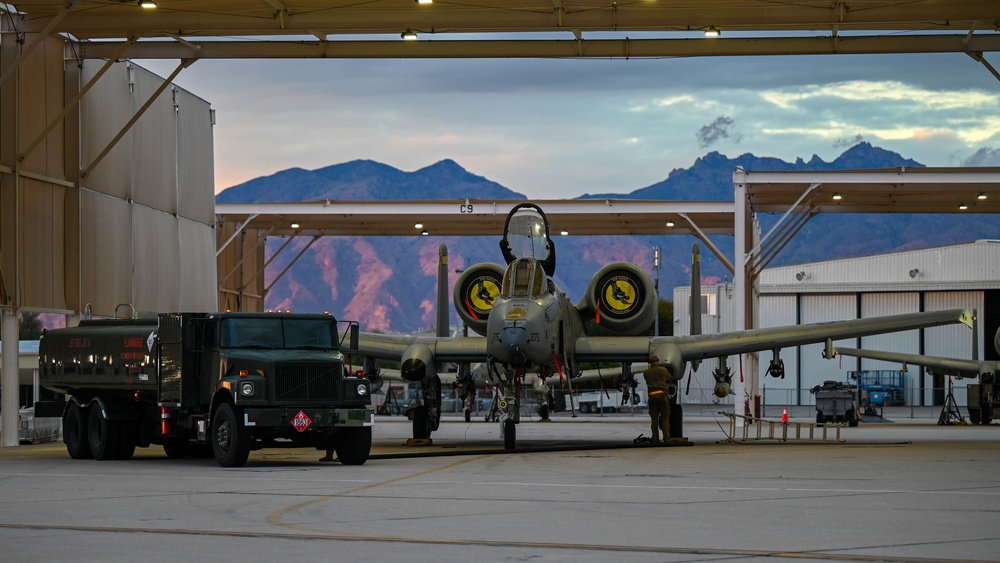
{"x": 277, "y": 518}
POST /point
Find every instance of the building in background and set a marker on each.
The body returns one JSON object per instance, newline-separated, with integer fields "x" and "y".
{"x": 959, "y": 276}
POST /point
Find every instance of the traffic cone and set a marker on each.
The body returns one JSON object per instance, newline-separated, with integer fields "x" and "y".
{"x": 784, "y": 415}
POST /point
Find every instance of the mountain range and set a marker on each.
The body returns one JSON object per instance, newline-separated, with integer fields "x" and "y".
{"x": 388, "y": 283}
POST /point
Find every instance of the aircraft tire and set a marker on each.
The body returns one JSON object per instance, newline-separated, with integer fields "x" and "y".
{"x": 676, "y": 421}
{"x": 509, "y": 435}
{"x": 75, "y": 432}
{"x": 421, "y": 430}
{"x": 468, "y": 415}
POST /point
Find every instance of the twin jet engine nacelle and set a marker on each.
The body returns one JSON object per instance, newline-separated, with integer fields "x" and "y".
{"x": 476, "y": 292}
{"x": 621, "y": 298}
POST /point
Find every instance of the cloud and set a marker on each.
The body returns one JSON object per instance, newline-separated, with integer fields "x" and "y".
{"x": 721, "y": 128}
{"x": 881, "y": 91}
{"x": 842, "y": 143}
{"x": 986, "y": 156}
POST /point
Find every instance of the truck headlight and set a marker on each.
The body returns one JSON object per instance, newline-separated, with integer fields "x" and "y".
{"x": 246, "y": 389}
{"x": 362, "y": 389}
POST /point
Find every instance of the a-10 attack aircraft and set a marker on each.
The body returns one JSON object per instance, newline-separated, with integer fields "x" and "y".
{"x": 981, "y": 411}
{"x": 527, "y": 324}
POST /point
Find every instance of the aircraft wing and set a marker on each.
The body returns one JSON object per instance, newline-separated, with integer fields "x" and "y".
{"x": 703, "y": 346}
{"x": 936, "y": 364}
{"x": 444, "y": 348}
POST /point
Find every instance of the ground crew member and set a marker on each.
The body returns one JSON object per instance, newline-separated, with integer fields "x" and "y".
{"x": 657, "y": 379}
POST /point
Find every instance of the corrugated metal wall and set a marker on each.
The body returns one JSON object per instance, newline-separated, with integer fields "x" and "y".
{"x": 157, "y": 184}
{"x": 140, "y": 228}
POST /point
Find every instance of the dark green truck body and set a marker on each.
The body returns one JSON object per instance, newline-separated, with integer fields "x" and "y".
{"x": 202, "y": 384}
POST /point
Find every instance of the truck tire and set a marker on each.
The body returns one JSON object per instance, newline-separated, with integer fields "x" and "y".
{"x": 852, "y": 418}
{"x": 175, "y": 449}
{"x": 102, "y": 434}
{"x": 230, "y": 439}
{"x": 354, "y": 445}
{"x": 128, "y": 432}
{"x": 75, "y": 432}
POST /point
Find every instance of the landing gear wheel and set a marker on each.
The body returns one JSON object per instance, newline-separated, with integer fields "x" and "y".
{"x": 354, "y": 445}
{"x": 230, "y": 439}
{"x": 75, "y": 432}
{"x": 468, "y": 414}
{"x": 421, "y": 426}
{"x": 102, "y": 434}
{"x": 509, "y": 435}
{"x": 543, "y": 411}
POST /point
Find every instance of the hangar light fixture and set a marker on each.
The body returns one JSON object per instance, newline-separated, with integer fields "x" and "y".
{"x": 712, "y": 31}
{"x": 424, "y": 232}
{"x": 564, "y": 232}
{"x": 418, "y": 225}
{"x": 981, "y": 196}
{"x": 147, "y": 4}
{"x": 837, "y": 197}
{"x": 962, "y": 206}
{"x": 670, "y": 223}
{"x": 409, "y": 35}
{"x": 295, "y": 225}
{"x": 424, "y": 1}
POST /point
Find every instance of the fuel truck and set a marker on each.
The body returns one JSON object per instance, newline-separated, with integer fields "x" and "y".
{"x": 204, "y": 384}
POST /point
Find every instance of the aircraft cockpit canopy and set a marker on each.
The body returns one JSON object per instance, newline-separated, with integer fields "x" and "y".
{"x": 524, "y": 277}
{"x": 526, "y": 235}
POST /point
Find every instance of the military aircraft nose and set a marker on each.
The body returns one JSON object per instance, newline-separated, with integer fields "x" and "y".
{"x": 515, "y": 339}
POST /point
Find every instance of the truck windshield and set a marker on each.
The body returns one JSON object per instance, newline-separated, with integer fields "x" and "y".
{"x": 277, "y": 333}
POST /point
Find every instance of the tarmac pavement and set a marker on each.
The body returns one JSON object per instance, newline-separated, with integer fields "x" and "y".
{"x": 575, "y": 490}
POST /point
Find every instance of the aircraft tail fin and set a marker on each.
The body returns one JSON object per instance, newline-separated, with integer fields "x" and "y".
{"x": 443, "y": 325}
{"x": 975, "y": 335}
{"x": 696, "y": 289}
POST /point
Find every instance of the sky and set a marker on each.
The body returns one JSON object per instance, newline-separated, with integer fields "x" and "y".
{"x": 563, "y": 128}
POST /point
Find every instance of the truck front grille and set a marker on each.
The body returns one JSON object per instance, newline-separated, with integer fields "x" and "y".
{"x": 306, "y": 382}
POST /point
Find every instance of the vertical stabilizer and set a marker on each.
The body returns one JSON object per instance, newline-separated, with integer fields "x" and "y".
{"x": 696, "y": 289}
{"x": 442, "y": 296}
{"x": 975, "y": 335}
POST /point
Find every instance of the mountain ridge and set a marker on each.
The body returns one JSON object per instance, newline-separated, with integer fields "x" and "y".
{"x": 388, "y": 283}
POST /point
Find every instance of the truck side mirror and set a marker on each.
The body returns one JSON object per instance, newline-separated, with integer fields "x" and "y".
{"x": 352, "y": 345}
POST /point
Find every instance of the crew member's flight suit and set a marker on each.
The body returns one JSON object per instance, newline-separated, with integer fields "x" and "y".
{"x": 657, "y": 379}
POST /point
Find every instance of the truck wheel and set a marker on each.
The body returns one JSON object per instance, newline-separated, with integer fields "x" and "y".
{"x": 128, "y": 432}
{"x": 75, "y": 432}
{"x": 102, "y": 434}
{"x": 230, "y": 440}
{"x": 175, "y": 449}
{"x": 354, "y": 445}
{"x": 852, "y": 419}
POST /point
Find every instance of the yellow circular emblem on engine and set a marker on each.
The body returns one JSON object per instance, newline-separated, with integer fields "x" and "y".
{"x": 482, "y": 293}
{"x": 620, "y": 294}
